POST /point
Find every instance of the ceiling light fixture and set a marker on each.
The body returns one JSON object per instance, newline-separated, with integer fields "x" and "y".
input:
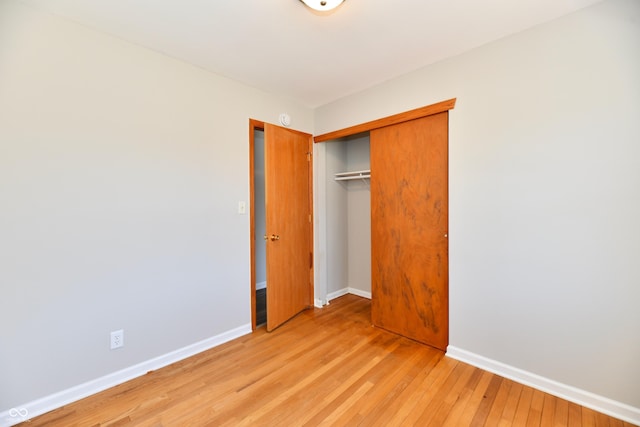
{"x": 322, "y": 5}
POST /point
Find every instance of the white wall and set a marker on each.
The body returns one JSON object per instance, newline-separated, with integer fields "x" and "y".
{"x": 120, "y": 176}
{"x": 544, "y": 194}
{"x": 337, "y": 224}
{"x": 359, "y": 217}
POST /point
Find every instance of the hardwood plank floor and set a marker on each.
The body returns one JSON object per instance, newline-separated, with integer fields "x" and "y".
{"x": 325, "y": 367}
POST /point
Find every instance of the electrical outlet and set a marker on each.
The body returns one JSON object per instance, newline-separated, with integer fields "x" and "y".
{"x": 117, "y": 339}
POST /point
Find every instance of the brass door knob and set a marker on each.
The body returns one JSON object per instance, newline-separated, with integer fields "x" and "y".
{"x": 274, "y": 237}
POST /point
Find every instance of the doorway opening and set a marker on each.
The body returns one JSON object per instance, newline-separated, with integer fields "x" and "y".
{"x": 260, "y": 280}
{"x": 347, "y": 203}
{"x": 281, "y": 224}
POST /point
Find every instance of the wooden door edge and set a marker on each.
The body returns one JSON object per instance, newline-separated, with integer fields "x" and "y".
{"x": 312, "y": 253}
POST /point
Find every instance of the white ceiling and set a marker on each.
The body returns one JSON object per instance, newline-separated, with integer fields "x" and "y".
{"x": 283, "y": 47}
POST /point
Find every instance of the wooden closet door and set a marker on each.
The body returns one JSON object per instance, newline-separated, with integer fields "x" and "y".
{"x": 409, "y": 222}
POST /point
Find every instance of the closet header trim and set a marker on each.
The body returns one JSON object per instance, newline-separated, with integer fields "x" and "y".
{"x": 388, "y": 121}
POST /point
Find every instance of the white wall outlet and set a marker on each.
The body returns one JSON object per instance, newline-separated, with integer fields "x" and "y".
{"x": 242, "y": 208}
{"x": 117, "y": 339}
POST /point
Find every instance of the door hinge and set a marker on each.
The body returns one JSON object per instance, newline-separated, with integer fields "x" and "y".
{"x": 309, "y": 218}
{"x": 310, "y": 259}
{"x": 308, "y": 156}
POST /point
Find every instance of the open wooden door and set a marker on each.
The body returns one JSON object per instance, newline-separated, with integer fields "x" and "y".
{"x": 288, "y": 223}
{"x": 409, "y": 222}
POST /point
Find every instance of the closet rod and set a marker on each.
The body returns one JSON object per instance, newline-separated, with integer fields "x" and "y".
{"x": 347, "y": 176}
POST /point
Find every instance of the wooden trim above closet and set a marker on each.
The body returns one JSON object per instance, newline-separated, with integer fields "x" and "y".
{"x": 388, "y": 121}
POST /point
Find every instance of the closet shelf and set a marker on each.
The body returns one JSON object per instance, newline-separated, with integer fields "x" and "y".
{"x": 347, "y": 176}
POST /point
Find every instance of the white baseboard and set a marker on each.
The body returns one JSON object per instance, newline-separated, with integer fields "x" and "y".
{"x": 581, "y": 397}
{"x": 344, "y": 291}
{"x": 261, "y": 285}
{"x": 337, "y": 294}
{"x": 29, "y": 410}
{"x": 360, "y": 293}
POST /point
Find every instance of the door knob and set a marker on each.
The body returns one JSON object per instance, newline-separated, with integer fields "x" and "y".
{"x": 274, "y": 237}
{"x": 265, "y": 237}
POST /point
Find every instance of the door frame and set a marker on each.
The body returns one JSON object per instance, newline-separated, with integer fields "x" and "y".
{"x": 418, "y": 113}
{"x": 260, "y": 125}
{"x": 253, "y": 126}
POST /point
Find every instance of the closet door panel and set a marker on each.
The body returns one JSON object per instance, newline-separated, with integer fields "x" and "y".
{"x": 409, "y": 226}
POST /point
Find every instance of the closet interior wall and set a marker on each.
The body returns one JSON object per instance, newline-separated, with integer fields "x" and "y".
{"x": 348, "y": 210}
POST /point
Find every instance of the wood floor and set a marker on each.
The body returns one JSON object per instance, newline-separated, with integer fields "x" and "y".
{"x": 326, "y": 367}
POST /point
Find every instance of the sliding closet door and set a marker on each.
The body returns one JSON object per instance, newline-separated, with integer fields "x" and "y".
{"x": 409, "y": 222}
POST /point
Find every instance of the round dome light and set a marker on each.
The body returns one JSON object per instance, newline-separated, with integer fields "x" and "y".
{"x": 322, "y": 5}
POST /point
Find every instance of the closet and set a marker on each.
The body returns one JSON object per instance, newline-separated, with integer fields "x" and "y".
{"x": 408, "y": 190}
{"x": 348, "y": 216}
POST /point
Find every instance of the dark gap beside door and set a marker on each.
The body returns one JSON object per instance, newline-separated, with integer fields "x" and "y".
{"x": 261, "y": 306}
